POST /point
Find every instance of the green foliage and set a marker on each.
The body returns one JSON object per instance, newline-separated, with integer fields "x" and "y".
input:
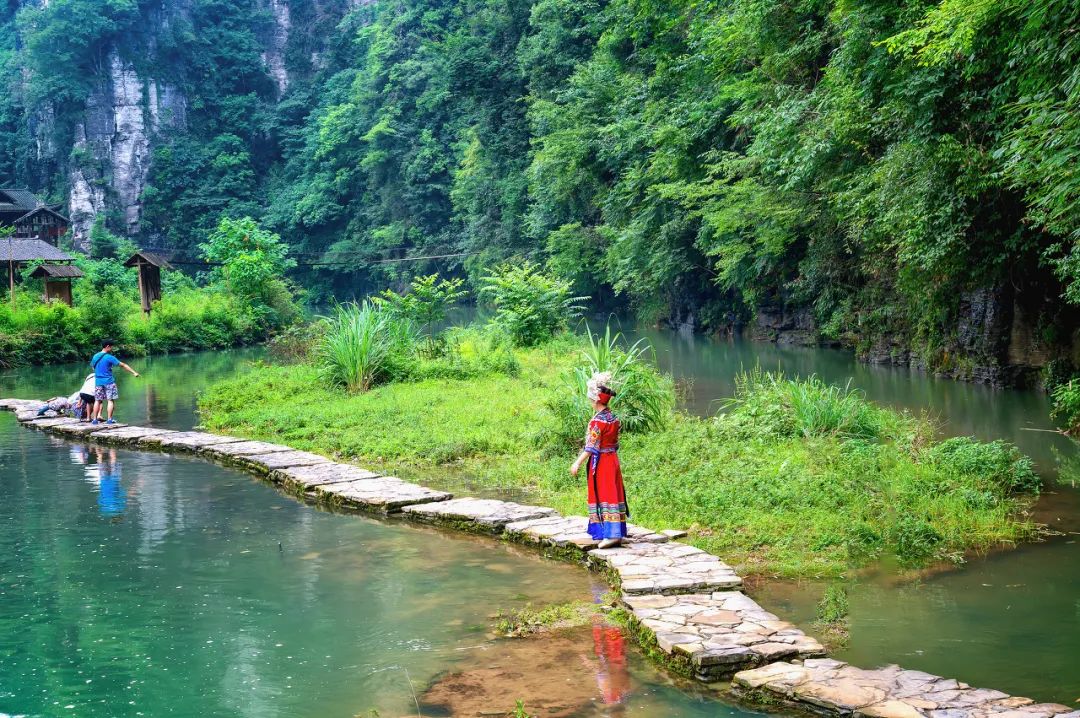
{"x": 766, "y": 404}
{"x": 531, "y": 305}
{"x": 1066, "y": 398}
{"x": 528, "y": 621}
{"x": 251, "y": 262}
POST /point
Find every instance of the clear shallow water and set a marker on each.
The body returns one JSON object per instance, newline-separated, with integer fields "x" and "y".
{"x": 141, "y": 584}
{"x": 1010, "y": 620}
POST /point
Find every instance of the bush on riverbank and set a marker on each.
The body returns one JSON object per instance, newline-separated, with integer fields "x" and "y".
{"x": 226, "y": 312}
{"x": 796, "y": 479}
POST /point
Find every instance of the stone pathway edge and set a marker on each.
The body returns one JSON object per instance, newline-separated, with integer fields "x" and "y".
{"x": 684, "y": 605}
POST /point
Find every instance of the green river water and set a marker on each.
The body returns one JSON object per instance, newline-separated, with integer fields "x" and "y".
{"x": 142, "y": 584}
{"x": 177, "y": 603}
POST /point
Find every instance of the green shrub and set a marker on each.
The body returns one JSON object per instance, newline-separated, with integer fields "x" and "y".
{"x": 915, "y": 540}
{"x": 997, "y": 465}
{"x": 766, "y": 404}
{"x": 1066, "y": 405}
{"x": 530, "y": 305}
{"x": 426, "y": 301}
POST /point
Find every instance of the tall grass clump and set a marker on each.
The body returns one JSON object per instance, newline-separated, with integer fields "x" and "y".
{"x": 767, "y": 404}
{"x": 359, "y": 343}
{"x": 644, "y": 401}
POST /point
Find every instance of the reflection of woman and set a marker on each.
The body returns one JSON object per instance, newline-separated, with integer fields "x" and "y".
{"x": 607, "y": 497}
{"x": 612, "y": 676}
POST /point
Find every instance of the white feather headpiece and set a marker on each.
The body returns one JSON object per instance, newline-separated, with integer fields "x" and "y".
{"x": 600, "y": 378}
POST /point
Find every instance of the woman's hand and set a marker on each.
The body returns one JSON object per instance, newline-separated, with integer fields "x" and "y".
{"x": 574, "y": 468}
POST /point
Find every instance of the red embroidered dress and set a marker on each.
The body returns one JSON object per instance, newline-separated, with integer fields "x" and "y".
{"x": 607, "y": 497}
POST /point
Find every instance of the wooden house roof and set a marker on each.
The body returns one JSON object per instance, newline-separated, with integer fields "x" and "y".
{"x": 43, "y": 208}
{"x": 27, "y": 250}
{"x": 157, "y": 260}
{"x": 57, "y": 270}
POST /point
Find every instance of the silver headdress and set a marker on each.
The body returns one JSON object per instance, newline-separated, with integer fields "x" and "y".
{"x": 600, "y": 378}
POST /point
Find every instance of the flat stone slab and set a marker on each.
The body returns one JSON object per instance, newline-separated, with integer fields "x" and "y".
{"x": 265, "y": 463}
{"x": 827, "y": 685}
{"x": 565, "y": 531}
{"x": 487, "y": 515}
{"x": 243, "y": 448}
{"x": 82, "y": 428}
{"x": 665, "y": 568}
{"x": 125, "y": 435}
{"x": 306, "y": 478}
{"x": 185, "y": 440}
{"x": 20, "y": 404}
{"x": 51, "y": 422}
{"x": 386, "y": 494}
{"x": 720, "y": 633}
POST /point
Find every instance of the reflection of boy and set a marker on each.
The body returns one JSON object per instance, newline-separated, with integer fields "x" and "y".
{"x": 112, "y": 498}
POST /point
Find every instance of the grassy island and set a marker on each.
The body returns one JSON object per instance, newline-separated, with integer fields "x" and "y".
{"x": 793, "y": 478}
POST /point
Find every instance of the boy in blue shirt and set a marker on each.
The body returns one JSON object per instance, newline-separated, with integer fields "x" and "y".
{"x": 104, "y": 382}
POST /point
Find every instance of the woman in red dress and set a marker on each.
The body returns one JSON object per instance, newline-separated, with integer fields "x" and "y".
{"x": 607, "y": 497}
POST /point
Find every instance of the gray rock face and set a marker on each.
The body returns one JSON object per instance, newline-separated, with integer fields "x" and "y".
{"x": 112, "y": 146}
{"x": 274, "y": 55}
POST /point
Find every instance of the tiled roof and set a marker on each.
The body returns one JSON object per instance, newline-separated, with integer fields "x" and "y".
{"x": 25, "y": 250}
{"x": 57, "y": 270}
{"x": 18, "y": 199}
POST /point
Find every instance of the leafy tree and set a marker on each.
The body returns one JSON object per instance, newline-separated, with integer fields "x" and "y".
{"x": 426, "y": 301}
{"x": 250, "y": 260}
{"x": 530, "y": 305}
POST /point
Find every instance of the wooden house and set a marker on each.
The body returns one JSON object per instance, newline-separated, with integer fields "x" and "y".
{"x": 57, "y": 280}
{"x": 17, "y": 253}
{"x": 31, "y": 218}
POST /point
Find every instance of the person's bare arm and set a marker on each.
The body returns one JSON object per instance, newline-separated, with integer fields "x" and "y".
{"x": 132, "y": 371}
{"x": 576, "y": 466}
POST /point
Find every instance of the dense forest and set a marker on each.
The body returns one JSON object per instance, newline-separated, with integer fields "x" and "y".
{"x": 897, "y": 176}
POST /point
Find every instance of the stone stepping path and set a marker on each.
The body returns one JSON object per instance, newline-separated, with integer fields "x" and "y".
{"x": 119, "y": 434}
{"x": 720, "y": 633}
{"x": 271, "y": 461}
{"x": 831, "y": 686}
{"x": 665, "y": 568}
{"x": 385, "y": 494}
{"x": 242, "y": 448}
{"x": 82, "y": 428}
{"x": 185, "y": 440}
{"x": 307, "y": 478}
{"x": 53, "y": 422}
{"x": 482, "y": 515}
{"x": 566, "y": 531}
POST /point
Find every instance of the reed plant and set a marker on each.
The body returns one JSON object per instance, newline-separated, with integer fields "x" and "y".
{"x": 359, "y": 344}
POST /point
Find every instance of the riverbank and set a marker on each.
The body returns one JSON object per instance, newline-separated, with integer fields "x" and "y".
{"x": 773, "y": 494}
{"x": 683, "y": 604}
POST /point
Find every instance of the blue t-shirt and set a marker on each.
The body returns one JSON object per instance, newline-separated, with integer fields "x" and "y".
{"x": 103, "y": 365}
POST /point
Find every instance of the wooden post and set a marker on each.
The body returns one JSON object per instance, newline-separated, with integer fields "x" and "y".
{"x": 11, "y": 270}
{"x": 142, "y": 291}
